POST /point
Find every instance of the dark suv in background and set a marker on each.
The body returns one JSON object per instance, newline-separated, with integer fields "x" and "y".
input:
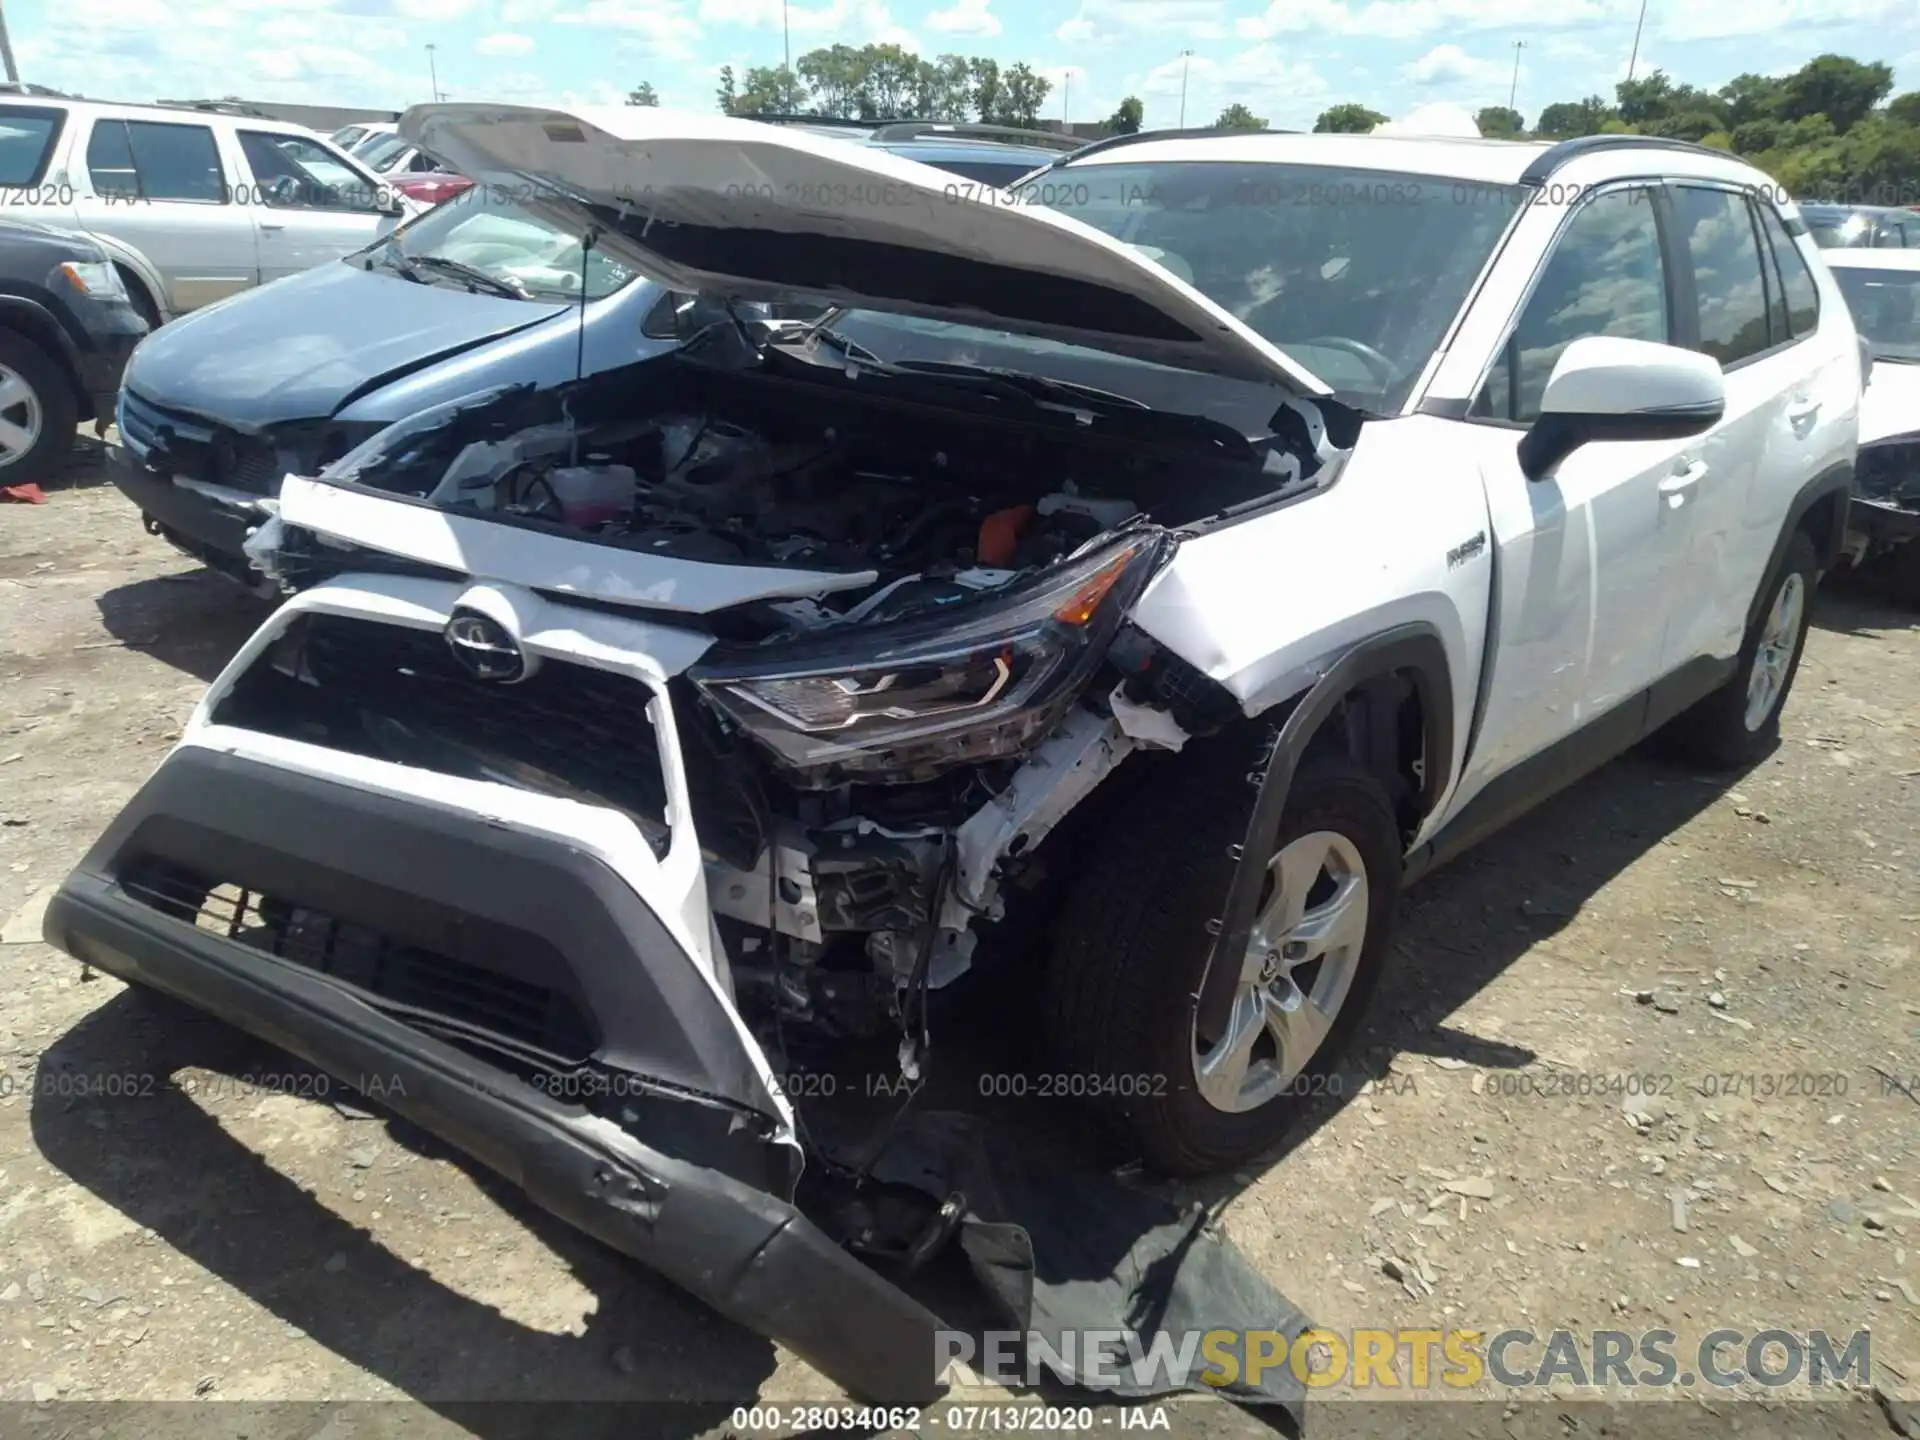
{"x": 67, "y": 327}
{"x": 484, "y": 290}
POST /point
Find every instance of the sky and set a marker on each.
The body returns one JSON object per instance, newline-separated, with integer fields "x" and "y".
{"x": 1286, "y": 60}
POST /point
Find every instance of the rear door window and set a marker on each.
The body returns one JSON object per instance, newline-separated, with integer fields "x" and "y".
{"x": 26, "y": 143}
{"x": 1802, "y": 296}
{"x": 151, "y": 160}
{"x": 1727, "y": 279}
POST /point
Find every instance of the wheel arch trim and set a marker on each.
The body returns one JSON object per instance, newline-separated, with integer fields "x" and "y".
{"x": 1414, "y": 648}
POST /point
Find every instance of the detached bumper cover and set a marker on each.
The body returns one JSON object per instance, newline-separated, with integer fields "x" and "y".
{"x": 744, "y": 1249}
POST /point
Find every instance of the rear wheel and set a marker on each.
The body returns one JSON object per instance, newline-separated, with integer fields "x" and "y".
{"x": 1739, "y": 723}
{"x": 1132, "y": 948}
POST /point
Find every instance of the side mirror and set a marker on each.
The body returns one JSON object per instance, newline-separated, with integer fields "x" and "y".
{"x": 1606, "y": 388}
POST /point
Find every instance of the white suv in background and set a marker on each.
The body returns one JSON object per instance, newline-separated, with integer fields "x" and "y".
{"x": 1170, "y": 558}
{"x": 192, "y": 205}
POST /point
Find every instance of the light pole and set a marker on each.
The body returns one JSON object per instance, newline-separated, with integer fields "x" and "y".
{"x": 786, "y": 42}
{"x": 1513, "y": 90}
{"x": 433, "y": 74}
{"x": 1066, "y": 100}
{"x": 6, "y": 51}
{"x": 1186, "y": 57}
{"x": 1634, "y": 58}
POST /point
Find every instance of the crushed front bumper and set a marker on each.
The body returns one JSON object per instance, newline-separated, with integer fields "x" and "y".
{"x": 676, "y": 1172}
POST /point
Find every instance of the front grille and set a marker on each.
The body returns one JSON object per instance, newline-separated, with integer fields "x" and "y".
{"x": 396, "y": 693}
{"x": 434, "y": 993}
{"x": 198, "y": 448}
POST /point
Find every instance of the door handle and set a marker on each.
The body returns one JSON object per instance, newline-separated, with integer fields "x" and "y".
{"x": 1802, "y": 413}
{"x": 1683, "y": 479}
{"x": 273, "y": 224}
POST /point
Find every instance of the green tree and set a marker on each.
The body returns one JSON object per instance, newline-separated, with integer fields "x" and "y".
{"x": 943, "y": 89}
{"x": 1747, "y": 98}
{"x": 1648, "y": 98}
{"x": 1905, "y": 107}
{"x": 1238, "y": 117}
{"x": 642, "y": 94}
{"x": 836, "y": 77}
{"x": 766, "y": 90}
{"x": 1023, "y": 92}
{"x": 985, "y": 75}
{"x": 1497, "y": 122}
{"x": 1843, "y": 90}
{"x": 1127, "y": 119}
{"x": 1347, "y": 119}
{"x": 1568, "y": 118}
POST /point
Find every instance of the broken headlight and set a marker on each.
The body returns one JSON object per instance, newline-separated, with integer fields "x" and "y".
{"x": 975, "y": 680}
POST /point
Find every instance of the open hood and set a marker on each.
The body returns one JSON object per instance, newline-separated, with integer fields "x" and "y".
{"x": 739, "y": 210}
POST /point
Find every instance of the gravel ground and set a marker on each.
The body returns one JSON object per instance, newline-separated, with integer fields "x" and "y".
{"x": 1644, "y": 1065}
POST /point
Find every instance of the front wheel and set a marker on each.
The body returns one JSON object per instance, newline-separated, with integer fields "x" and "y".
{"x": 1739, "y": 723}
{"x": 1132, "y": 948}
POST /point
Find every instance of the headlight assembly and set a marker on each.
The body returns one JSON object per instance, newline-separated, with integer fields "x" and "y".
{"x": 976, "y": 680}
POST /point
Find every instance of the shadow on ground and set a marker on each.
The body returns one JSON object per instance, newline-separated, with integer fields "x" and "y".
{"x": 193, "y": 620}
{"x": 170, "y": 1167}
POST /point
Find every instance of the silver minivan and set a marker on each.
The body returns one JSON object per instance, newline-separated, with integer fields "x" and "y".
{"x": 192, "y": 205}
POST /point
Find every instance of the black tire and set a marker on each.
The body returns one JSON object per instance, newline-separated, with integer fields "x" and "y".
{"x": 1715, "y": 732}
{"x": 59, "y": 410}
{"x": 1131, "y": 946}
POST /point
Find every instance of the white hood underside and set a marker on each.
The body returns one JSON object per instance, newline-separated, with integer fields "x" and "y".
{"x": 740, "y": 210}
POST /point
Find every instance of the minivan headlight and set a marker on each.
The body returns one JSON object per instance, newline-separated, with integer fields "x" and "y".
{"x": 97, "y": 278}
{"x": 902, "y": 700}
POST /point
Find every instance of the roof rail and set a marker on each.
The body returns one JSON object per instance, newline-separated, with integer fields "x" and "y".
{"x": 23, "y": 87}
{"x": 779, "y": 119}
{"x": 898, "y": 130}
{"x": 1564, "y": 151}
{"x": 1203, "y": 132}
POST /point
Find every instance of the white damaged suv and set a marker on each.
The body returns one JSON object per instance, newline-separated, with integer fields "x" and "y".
{"x": 1188, "y": 549}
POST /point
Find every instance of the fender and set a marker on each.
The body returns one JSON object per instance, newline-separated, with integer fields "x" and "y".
{"x": 35, "y": 320}
{"x": 124, "y": 254}
{"x": 1832, "y": 486}
{"x": 1415, "y": 648}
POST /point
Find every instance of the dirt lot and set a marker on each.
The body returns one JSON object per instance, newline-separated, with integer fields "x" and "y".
{"x": 1745, "y": 951}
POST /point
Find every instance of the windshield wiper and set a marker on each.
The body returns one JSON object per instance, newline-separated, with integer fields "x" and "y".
{"x": 398, "y": 261}
{"x": 1039, "y": 387}
{"x": 475, "y": 278}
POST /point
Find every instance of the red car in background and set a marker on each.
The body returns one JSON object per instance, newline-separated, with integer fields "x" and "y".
{"x": 410, "y": 170}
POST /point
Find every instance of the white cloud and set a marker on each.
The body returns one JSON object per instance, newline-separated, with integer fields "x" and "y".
{"x": 659, "y": 28}
{"x": 1449, "y": 65}
{"x": 965, "y": 17}
{"x": 856, "y": 22}
{"x": 1098, "y": 20}
{"x": 1415, "y": 19}
{"x": 504, "y": 42}
{"x": 1284, "y": 91}
{"x": 435, "y": 10}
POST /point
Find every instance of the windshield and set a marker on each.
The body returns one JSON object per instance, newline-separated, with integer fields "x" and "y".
{"x": 381, "y": 155}
{"x": 1884, "y": 305}
{"x": 1356, "y": 274}
{"x": 1839, "y": 229}
{"x": 482, "y": 229}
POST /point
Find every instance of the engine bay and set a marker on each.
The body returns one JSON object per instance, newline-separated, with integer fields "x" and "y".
{"x": 941, "y": 491}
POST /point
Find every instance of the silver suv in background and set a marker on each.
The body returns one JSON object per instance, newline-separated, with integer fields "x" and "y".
{"x": 191, "y": 206}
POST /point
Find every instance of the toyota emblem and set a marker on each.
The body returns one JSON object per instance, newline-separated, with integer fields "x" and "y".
{"x": 484, "y": 648}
